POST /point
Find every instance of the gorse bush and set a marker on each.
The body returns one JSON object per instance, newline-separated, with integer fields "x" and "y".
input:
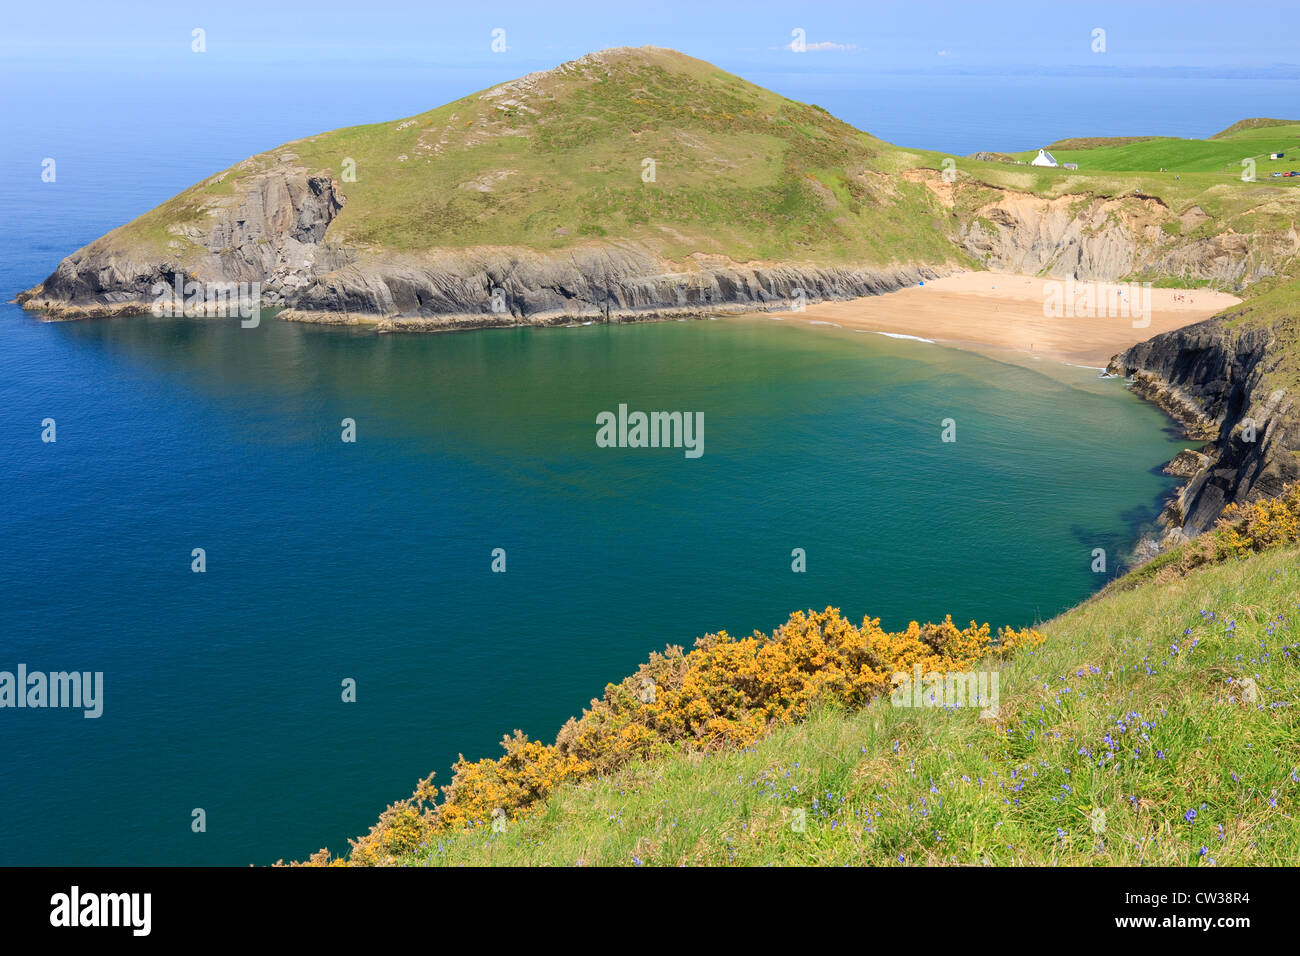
{"x": 726, "y": 692}
{"x": 1242, "y": 530}
{"x": 1267, "y": 523}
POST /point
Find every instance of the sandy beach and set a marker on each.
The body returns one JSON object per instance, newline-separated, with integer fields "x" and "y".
{"x": 1006, "y": 311}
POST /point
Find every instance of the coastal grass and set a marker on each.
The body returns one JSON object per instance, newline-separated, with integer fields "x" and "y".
{"x": 1136, "y": 706}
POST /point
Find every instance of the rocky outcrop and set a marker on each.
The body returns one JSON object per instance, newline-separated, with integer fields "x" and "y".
{"x": 1219, "y": 383}
{"x": 273, "y": 232}
{"x": 1187, "y": 463}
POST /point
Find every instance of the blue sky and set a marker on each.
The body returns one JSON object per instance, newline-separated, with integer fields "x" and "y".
{"x": 844, "y": 36}
{"x": 116, "y": 84}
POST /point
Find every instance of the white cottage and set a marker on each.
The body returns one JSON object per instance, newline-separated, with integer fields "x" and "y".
{"x": 1044, "y": 158}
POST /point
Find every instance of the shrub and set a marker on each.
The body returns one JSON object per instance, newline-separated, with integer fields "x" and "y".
{"x": 1240, "y": 531}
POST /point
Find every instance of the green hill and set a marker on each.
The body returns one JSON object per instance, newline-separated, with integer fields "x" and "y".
{"x": 562, "y": 157}
{"x": 633, "y": 183}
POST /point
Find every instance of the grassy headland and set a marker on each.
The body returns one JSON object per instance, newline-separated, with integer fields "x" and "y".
{"x": 560, "y": 158}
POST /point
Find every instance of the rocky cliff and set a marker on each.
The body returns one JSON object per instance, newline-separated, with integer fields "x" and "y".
{"x": 270, "y": 231}
{"x": 497, "y": 287}
{"x": 1221, "y": 383}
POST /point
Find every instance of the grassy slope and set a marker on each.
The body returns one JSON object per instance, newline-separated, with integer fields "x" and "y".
{"x": 941, "y": 786}
{"x": 1266, "y": 205}
{"x": 1253, "y": 122}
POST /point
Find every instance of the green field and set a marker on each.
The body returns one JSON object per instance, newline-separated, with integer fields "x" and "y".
{"x": 1132, "y": 707}
{"x": 1220, "y": 155}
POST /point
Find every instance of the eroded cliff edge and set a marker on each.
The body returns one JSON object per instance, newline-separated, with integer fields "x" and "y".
{"x": 1225, "y": 382}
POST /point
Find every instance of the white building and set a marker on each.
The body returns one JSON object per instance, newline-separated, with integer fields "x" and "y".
{"x": 1044, "y": 158}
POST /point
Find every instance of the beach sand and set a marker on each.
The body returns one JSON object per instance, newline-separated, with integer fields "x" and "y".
{"x": 1006, "y": 311}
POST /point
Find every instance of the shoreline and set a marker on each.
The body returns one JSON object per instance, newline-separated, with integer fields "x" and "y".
{"x": 977, "y": 309}
{"x": 1006, "y": 312}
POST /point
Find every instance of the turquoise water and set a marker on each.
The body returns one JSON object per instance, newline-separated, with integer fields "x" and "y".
{"x": 372, "y": 561}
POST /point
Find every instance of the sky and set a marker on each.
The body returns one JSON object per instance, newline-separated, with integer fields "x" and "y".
{"x": 855, "y": 36}
{"x": 115, "y": 90}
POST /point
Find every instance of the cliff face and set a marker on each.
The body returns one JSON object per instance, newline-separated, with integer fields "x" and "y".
{"x": 271, "y": 231}
{"x": 475, "y": 288}
{"x": 1106, "y": 239}
{"x": 1216, "y": 381}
